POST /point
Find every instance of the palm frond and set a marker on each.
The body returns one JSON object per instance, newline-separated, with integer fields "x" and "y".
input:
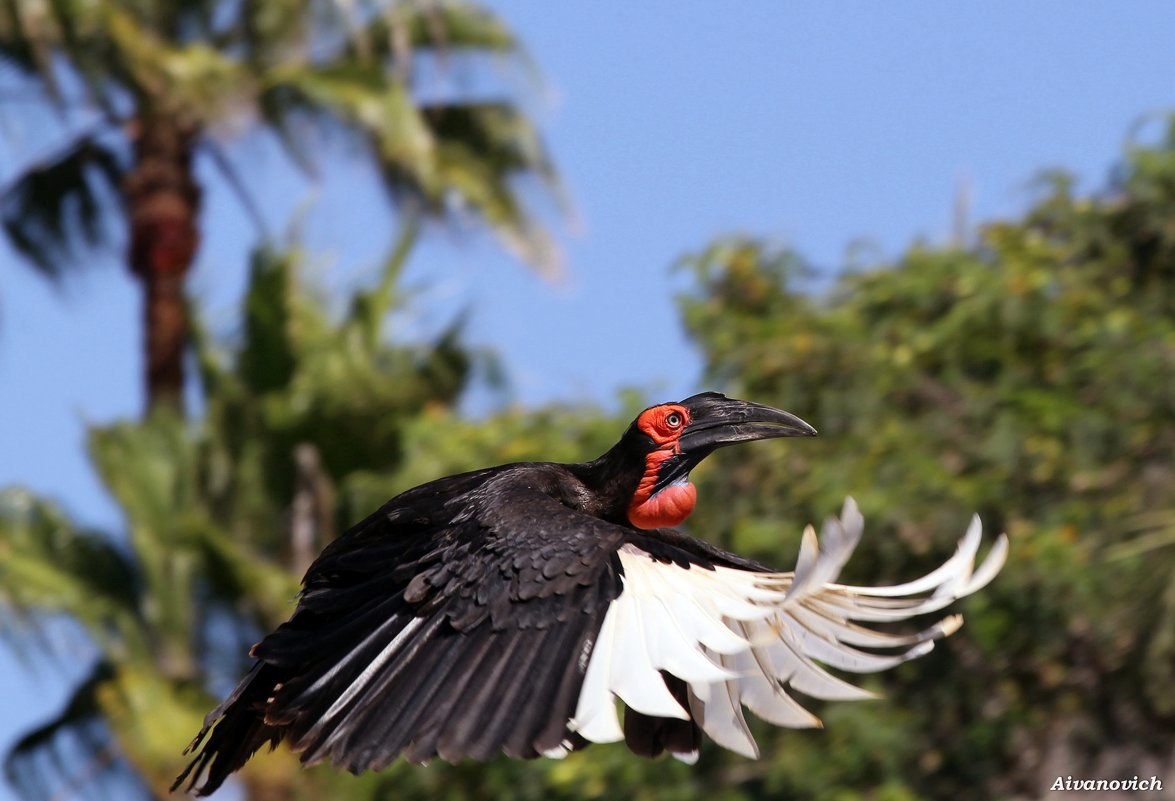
{"x": 356, "y": 100}
{"x": 268, "y": 352}
{"x": 396, "y": 31}
{"x": 27, "y": 36}
{"x": 55, "y": 212}
{"x": 486, "y": 150}
{"x": 73, "y": 754}
{"x": 48, "y": 566}
{"x": 190, "y": 79}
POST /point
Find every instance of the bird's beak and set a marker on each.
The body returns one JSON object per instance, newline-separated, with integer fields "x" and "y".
{"x": 717, "y": 421}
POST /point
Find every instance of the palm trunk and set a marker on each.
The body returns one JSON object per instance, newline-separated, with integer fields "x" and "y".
{"x": 163, "y": 202}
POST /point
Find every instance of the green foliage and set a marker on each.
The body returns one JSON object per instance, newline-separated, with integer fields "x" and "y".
{"x": 302, "y": 380}
{"x": 213, "y": 511}
{"x": 203, "y": 67}
{"x": 139, "y": 607}
{"x": 1029, "y": 379}
{"x": 438, "y": 443}
{"x": 47, "y": 565}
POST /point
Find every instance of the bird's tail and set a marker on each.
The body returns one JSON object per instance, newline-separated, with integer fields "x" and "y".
{"x": 240, "y": 732}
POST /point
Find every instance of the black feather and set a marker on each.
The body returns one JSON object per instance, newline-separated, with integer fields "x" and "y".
{"x": 650, "y": 736}
{"x": 496, "y": 589}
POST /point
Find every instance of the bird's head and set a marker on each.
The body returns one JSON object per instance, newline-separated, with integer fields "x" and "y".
{"x": 670, "y": 440}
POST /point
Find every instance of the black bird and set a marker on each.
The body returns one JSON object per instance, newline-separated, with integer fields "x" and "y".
{"x": 506, "y": 609}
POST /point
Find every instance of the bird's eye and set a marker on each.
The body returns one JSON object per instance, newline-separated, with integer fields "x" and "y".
{"x": 673, "y": 420}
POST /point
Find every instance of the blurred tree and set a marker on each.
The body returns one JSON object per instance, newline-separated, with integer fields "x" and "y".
{"x": 1030, "y": 379}
{"x": 216, "y": 535}
{"x": 157, "y": 80}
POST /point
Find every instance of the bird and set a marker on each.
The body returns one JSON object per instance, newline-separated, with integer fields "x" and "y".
{"x": 513, "y": 609}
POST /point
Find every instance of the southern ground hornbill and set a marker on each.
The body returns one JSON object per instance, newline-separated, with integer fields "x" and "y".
{"x": 505, "y": 610}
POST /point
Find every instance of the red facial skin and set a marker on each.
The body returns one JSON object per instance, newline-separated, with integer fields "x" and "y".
{"x": 673, "y": 504}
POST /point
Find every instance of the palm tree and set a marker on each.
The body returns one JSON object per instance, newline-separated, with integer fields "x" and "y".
{"x": 211, "y": 534}
{"x": 156, "y": 79}
{"x": 144, "y": 609}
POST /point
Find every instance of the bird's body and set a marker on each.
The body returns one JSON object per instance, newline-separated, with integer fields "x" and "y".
{"x": 504, "y": 610}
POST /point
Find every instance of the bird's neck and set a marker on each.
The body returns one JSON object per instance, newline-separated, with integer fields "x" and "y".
{"x": 620, "y": 488}
{"x": 611, "y": 481}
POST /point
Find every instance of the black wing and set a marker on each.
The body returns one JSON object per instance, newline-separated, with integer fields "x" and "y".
{"x": 422, "y": 641}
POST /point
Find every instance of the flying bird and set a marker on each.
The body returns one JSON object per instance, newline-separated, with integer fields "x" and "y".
{"x": 507, "y": 609}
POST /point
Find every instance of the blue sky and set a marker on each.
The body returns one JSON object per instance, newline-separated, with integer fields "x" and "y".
{"x": 822, "y": 126}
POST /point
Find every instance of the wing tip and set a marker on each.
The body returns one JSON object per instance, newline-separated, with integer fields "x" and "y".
{"x": 949, "y": 625}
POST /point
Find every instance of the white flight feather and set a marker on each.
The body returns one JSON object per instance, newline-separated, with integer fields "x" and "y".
{"x": 595, "y": 713}
{"x": 720, "y": 715}
{"x": 743, "y": 638}
{"x": 635, "y": 679}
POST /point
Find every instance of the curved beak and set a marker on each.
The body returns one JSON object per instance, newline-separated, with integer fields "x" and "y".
{"x": 717, "y": 421}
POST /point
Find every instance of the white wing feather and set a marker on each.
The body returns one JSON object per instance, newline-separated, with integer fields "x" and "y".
{"x": 743, "y": 638}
